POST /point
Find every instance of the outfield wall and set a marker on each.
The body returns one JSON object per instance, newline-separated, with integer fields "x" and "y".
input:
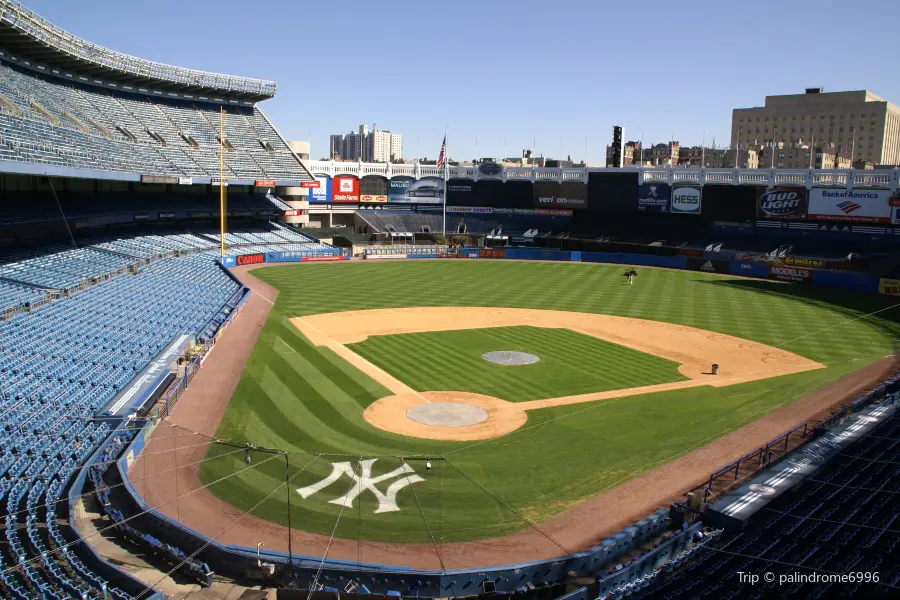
{"x": 708, "y": 262}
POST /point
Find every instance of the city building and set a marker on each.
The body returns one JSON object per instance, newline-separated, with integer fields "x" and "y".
{"x": 858, "y": 123}
{"x": 718, "y": 158}
{"x": 628, "y": 151}
{"x": 799, "y": 155}
{"x": 660, "y": 155}
{"x": 367, "y": 146}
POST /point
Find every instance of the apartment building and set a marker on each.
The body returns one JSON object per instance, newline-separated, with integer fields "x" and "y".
{"x": 857, "y": 123}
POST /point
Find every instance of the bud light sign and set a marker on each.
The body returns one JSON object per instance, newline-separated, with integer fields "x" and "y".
{"x": 782, "y": 203}
{"x": 686, "y": 199}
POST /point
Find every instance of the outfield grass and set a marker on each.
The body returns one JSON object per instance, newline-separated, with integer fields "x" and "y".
{"x": 308, "y": 401}
{"x": 571, "y": 363}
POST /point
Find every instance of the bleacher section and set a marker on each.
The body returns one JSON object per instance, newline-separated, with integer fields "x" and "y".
{"x": 45, "y": 120}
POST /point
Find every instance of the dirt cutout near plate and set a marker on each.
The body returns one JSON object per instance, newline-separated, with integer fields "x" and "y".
{"x": 695, "y": 350}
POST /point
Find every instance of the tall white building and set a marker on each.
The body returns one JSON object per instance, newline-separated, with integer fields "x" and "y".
{"x": 374, "y": 146}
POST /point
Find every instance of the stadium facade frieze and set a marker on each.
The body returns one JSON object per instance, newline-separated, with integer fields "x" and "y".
{"x": 887, "y": 179}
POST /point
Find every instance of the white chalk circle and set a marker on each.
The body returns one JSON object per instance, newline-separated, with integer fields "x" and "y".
{"x": 447, "y": 414}
{"x": 510, "y": 359}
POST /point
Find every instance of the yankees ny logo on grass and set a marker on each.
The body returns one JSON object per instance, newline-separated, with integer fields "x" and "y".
{"x": 387, "y": 501}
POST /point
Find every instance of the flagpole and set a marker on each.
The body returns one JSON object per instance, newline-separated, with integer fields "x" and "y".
{"x": 446, "y": 177}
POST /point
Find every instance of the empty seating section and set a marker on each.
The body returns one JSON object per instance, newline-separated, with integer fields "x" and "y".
{"x": 37, "y": 207}
{"x": 59, "y": 366}
{"x": 842, "y": 520}
{"x": 31, "y": 278}
{"x": 48, "y": 120}
{"x": 387, "y": 221}
{"x": 65, "y": 269}
{"x": 13, "y": 295}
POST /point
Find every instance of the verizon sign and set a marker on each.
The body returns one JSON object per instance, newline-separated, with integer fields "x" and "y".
{"x": 310, "y": 184}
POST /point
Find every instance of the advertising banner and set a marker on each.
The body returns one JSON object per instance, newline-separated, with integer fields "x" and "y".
{"x": 158, "y": 179}
{"x": 492, "y": 253}
{"x": 345, "y": 188}
{"x": 373, "y": 188}
{"x": 686, "y": 199}
{"x": 250, "y": 259}
{"x": 855, "y": 206}
{"x": 794, "y": 274}
{"x": 708, "y": 266}
{"x": 265, "y": 183}
{"x": 292, "y": 212}
{"x": 812, "y": 263}
{"x": 321, "y": 194}
{"x": 428, "y": 190}
{"x": 654, "y": 197}
{"x": 398, "y": 188}
{"x": 553, "y": 212}
{"x": 782, "y": 203}
{"x": 185, "y": 181}
{"x": 549, "y": 194}
{"x": 485, "y": 210}
{"x": 890, "y": 287}
{"x": 310, "y": 184}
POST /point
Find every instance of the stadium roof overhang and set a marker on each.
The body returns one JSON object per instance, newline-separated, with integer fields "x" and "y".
{"x": 37, "y": 44}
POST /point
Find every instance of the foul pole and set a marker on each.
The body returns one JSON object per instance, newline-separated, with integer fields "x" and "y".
{"x": 222, "y": 180}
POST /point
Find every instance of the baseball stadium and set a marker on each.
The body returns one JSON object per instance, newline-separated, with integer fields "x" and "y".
{"x": 229, "y": 371}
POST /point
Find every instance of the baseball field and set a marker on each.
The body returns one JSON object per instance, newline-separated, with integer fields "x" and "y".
{"x": 622, "y": 386}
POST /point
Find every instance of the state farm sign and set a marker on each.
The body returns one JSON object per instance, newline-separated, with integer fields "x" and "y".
{"x": 345, "y": 189}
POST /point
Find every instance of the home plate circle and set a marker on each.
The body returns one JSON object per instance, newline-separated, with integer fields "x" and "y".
{"x": 509, "y": 358}
{"x": 447, "y": 414}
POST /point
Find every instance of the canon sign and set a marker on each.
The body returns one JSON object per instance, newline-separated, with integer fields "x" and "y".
{"x": 782, "y": 203}
{"x": 251, "y": 259}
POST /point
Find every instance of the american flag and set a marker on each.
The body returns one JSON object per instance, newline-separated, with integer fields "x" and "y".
{"x": 440, "y": 160}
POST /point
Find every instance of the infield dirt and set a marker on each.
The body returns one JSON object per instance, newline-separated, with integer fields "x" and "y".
{"x": 694, "y": 349}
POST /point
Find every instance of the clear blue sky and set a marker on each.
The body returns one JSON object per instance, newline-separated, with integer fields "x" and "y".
{"x": 560, "y": 73}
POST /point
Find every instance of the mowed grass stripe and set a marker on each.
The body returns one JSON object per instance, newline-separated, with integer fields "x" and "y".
{"x": 571, "y": 363}
{"x": 565, "y": 453}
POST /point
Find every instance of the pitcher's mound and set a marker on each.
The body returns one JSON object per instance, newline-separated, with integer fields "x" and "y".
{"x": 447, "y": 414}
{"x": 510, "y": 359}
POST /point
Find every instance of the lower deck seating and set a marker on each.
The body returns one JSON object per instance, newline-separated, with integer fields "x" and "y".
{"x": 842, "y": 520}
{"x": 59, "y": 365}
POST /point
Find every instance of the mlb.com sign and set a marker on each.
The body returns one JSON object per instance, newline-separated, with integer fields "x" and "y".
{"x": 686, "y": 199}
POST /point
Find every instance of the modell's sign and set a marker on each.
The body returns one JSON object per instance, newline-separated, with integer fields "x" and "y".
{"x": 782, "y": 203}
{"x": 794, "y": 274}
{"x": 265, "y": 183}
{"x": 251, "y": 259}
